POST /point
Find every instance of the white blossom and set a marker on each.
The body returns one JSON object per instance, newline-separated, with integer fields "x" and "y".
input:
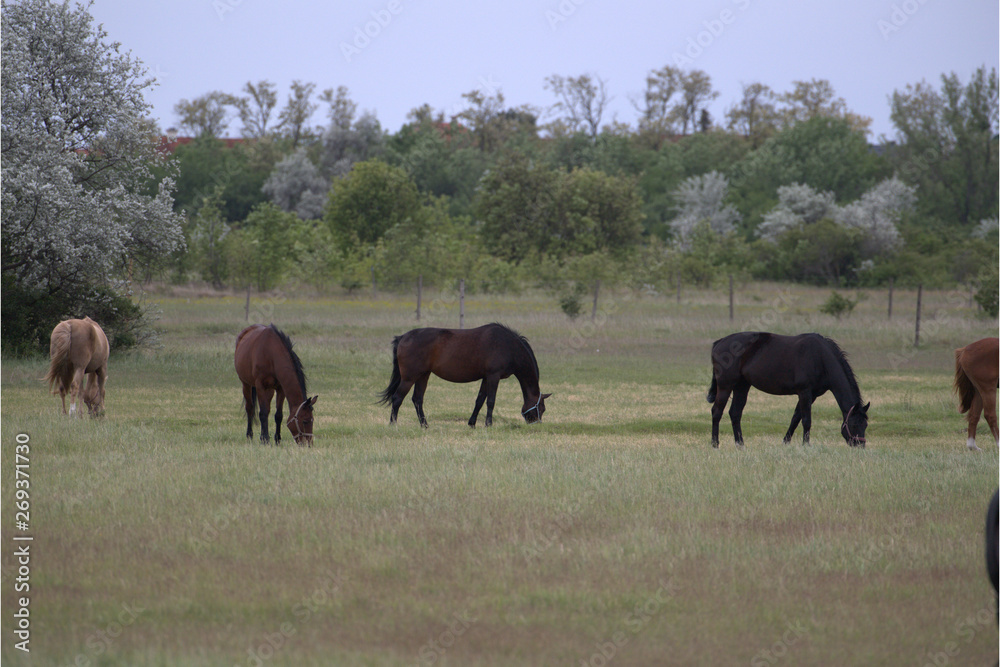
{"x": 798, "y": 204}
{"x": 700, "y": 198}
{"x": 877, "y": 212}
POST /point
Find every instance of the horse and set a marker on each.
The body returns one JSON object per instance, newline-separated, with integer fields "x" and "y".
{"x": 488, "y": 353}
{"x": 267, "y": 365}
{"x": 808, "y": 365}
{"x": 992, "y": 559}
{"x": 976, "y": 372}
{"x": 78, "y": 348}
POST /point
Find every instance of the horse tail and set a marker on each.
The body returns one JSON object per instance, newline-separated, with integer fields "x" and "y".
{"x": 386, "y": 396}
{"x": 59, "y": 350}
{"x": 711, "y": 390}
{"x": 253, "y": 405}
{"x": 963, "y": 385}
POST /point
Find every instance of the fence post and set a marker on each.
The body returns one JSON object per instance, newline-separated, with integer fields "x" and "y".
{"x": 730, "y": 297}
{"x": 916, "y": 336}
{"x": 891, "y": 281}
{"x": 597, "y": 289}
{"x": 420, "y": 285}
{"x": 461, "y": 303}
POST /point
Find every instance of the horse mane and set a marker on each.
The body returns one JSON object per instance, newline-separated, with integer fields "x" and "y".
{"x": 524, "y": 342}
{"x": 296, "y": 362}
{"x": 841, "y": 358}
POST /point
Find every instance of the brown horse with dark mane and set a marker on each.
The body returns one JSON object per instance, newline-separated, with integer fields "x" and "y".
{"x": 78, "y": 348}
{"x": 807, "y": 365}
{"x": 267, "y": 366}
{"x": 976, "y": 373}
{"x": 488, "y": 353}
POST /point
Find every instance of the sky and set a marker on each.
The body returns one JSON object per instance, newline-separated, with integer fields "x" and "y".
{"x": 395, "y": 55}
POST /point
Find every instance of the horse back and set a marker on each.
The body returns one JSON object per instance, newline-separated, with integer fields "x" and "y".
{"x": 90, "y": 345}
{"x": 455, "y": 355}
{"x": 773, "y": 363}
{"x": 250, "y": 357}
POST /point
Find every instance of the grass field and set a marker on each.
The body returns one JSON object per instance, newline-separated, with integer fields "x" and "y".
{"x": 612, "y": 533}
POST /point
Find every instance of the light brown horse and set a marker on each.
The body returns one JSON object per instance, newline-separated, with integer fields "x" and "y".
{"x": 78, "y": 348}
{"x": 976, "y": 371}
{"x": 267, "y": 365}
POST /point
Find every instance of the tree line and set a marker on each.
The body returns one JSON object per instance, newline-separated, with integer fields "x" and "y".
{"x": 786, "y": 187}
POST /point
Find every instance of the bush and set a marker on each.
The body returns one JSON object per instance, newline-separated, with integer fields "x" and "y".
{"x": 28, "y": 317}
{"x": 987, "y": 295}
{"x": 838, "y": 305}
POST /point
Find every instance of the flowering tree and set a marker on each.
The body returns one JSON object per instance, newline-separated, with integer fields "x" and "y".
{"x": 76, "y": 155}
{"x": 877, "y": 213}
{"x": 798, "y": 204}
{"x": 700, "y": 198}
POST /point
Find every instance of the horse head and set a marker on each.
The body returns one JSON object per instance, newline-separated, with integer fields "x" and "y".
{"x": 855, "y": 423}
{"x": 532, "y": 412}
{"x": 300, "y": 423}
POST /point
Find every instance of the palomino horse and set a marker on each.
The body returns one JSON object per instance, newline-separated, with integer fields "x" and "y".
{"x": 267, "y": 365}
{"x": 488, "y": 353}
{"x": 78, "y": 348}
{"x": 976, "y": 371}
{"x": 808, "y": 365}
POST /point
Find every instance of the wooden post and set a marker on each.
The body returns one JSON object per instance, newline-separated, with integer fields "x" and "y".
{"x": 891, "y": 281}
{"x": 420, "y": 285}
{"x": 374, "y": 294}
{"x": 920, "y": 294}
{"x": 461, "y": 303}
{"x": 597, "y": 289}
{"x": 730, "y": 297}
{"x": 246, "y": 307}
{"x": 678, "y": 287}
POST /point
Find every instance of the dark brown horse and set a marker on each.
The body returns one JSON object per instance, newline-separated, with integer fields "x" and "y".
{"x": 976, "y": 372}
{"x": 488, "y": 353}
{"x": 808, "y": 365}
{"x": 267, "y": 365}
{"x": 78, "y": 349}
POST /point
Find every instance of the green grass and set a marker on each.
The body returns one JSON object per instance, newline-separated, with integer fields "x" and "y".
{"x": 611, "y": 530}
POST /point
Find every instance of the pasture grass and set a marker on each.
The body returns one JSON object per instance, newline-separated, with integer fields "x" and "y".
{"x": 612, "y": 532}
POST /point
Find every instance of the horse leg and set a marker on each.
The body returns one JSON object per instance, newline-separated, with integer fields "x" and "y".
{"x": 397, "y": 399}
{"x": 102, "y": 379}
{"x": 76, "y": 390}
{"x": 796, "y": 418}
{"x": 718, "y": 408}
{"x": 479, "y": 404}
{"x": 492, "y": 382}
{"x": 805, "y": 409}
{"x": 279, "y": 398}
{"x": 248, "y": 406}
{"x": 989, "y": 399}
{"x": 736, "y": 410}
{"x": 264, "y": 403}
{"x": 418, "y": 397}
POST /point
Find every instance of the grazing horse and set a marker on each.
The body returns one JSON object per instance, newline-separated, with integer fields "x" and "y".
{"x": 267, "y": 365}
{"x": 992, "y": 558}
{"x": 488, "y": 353}
{"x": 808, "y": 365}
{"x": 78, "y": 348}
{"x": 976, "y": 371}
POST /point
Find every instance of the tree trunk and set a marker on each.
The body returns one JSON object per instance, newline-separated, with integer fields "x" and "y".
{"x": 916, "y": 336}
{"x": 246, "y": 307}
{"x": 891, "y": 282}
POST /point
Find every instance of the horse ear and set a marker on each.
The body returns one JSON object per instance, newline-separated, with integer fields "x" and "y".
{"x": 312, "y": 401}
{"x": 544, "y": 396}
{"x": 865, "y": 409}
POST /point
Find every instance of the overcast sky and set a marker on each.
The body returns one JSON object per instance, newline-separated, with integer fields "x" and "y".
{"x": 395, "y": 55}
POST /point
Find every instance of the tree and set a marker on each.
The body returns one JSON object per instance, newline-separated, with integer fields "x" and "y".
{"x": 256, "y": 108}
{"x": 297, "y": 112}
{"x": 798, "y": 205}
{"x": 345, "y": 145}
{"x": 701, "y": 199}
{"x": 696, "y": 92}
{"x": 655, "y": 120}
{"x": 205, "y": 115}
{"x": 948, "y": 148}
{"x": 296, "y": 185}
{"x": 581, "y": 100}
{"x": 371, "y": 199}
{"x": 78, "y": 208}
{"x": 272, "y": 234}
{"x": 755, "y": 116}
{"x": 207, "y": 236}
{"x": 816, "y": 99}
{"x": 342, "y": 108}
{"x": 877, "y": 213}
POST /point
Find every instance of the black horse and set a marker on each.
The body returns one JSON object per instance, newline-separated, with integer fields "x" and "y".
{"x": 489, "y": 353}
{"x": 808, "y": 365}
